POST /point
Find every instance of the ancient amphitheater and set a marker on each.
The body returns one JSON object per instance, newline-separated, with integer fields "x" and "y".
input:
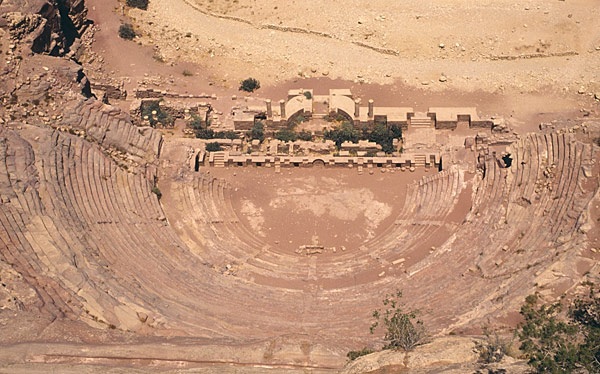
{"x": 131, "y": 248}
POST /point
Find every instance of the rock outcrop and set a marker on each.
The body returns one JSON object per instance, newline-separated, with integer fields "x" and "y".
{"x": 447, "y": 355}
{"x": 111, "y": 128}
{"x": 45, "y": 26}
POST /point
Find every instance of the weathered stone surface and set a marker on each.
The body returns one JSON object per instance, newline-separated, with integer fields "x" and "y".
{"x": 45, "y": 26}
{"x": 448, "y": 355}
{"x": 110, "y": 127}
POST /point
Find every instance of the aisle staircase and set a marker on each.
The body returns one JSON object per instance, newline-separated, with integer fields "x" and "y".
{"x": 421, "y": 120}
{"x": 219, "y": 159}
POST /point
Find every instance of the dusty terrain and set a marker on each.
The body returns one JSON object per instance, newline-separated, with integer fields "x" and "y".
{"x": 120, "y": 251}
{"x": 533, "y": 45}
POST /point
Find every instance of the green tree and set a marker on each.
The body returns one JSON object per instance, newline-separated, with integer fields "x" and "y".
{"x": 555, "y": 342}
{"x": 585, "y": 313}
{"x": 343, "y": 133}
{"x": 383, "y": 135}
{"x": 403, "y": 329}
{"x": 249, "y": 85}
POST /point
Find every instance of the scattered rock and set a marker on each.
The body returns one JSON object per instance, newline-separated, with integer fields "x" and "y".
{"x": 143, "y": 317}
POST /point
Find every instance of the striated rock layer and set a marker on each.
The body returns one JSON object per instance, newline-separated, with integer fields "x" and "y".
{"x": 97, "y": 270}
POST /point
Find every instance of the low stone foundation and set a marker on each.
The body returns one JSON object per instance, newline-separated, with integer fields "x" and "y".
{"x": 225, "y": 159}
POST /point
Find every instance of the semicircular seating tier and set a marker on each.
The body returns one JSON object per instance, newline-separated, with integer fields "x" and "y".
{"x": 96, "y": 244}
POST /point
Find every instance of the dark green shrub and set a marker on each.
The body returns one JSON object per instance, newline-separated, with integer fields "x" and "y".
{"x": 156, "y": 191}
{"x": 126, "y": 31}
{"x": 305, "y": 135}
{"x": 299, "y": 119}
{"x": 196, "y": 123}
{"x": 210, "y": 134}
{"x": 140, "y": 4}
{"x": 353, "y": 355}
{"x": 205, "y": 134}
{"x": 286, "y": 135}
{"x": 344, "y": 133}
{"x": 257, "y": 132}
{"x": 228, "y": 135}
{"x": 160, "y": 117}
{"x": 403, "y": 329}
{"x": 307, "y": 95}
{"x": 249, "y": 85}
{"x": 213, "y": 147}
{"x": 383, "y": 135}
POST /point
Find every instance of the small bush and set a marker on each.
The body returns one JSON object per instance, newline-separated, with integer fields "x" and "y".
{"x": 493, "y": 349}
{"x": 211, "y": 134}
{"x": 286, "y": 135}
{"x": 305, "y": 135}
{"x": 307, "y": 95}
{"x": 156, "y": 191}
{"x": 403, "y": 329}
{"x": 213, "y": 147}
{"x": 160, "y": 116}
{"x": 300, "y": 119}
{"x": 205, "y": 134}
{"x": 353, "y": 355}
{"x": 187, "y": 73}
{"x": 249, "y": 85}
{"x": 140, "y": 4}
{"x": 196, "y": 123}
{"x": 126, "y": 31}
